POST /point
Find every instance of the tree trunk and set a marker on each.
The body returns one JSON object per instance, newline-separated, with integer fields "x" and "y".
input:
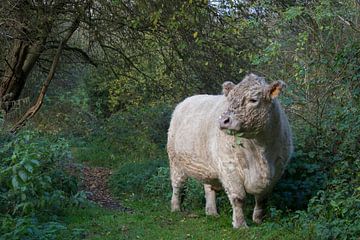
{"x": 21, "y": 60}
{"x": 39, "y": 101}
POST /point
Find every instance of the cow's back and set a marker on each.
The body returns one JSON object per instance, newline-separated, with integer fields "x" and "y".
{"x": 193, "y": 128}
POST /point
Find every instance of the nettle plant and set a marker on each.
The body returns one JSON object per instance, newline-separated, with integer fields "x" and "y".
{"x": 31, "y": 177}
{"x": 237, "y": 135}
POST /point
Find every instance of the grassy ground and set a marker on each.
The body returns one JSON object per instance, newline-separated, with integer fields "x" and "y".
{"x": 153, "y": 221}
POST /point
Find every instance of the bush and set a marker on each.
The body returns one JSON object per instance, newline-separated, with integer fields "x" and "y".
{"x": 34, "y": 185}
{"x": 136, "y": 135}
{"x": 151, "y": 180}
{"x": 335, "y": 210}
{"x": 29, "y": 228}
{"x": 147, "y": 123}
{"x": 331, "y": 178}
{"x": 301, "y": 180}
{"x": 65, "y": 118}
{"x": 159, "y": 187}
{"x": 131, "y": 178}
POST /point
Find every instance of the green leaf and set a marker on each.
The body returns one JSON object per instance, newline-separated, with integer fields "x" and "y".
{"x": 15, "y": 182}
{"x": 22, "y": 174}
{"x": 23, "y": 196}
{"x": 230, "y": 132}
{"x": 238, "y": 137}
{"x": 35, "y": 162}
{"x": 293, "y": 12}
{"x": 29, "y": 168}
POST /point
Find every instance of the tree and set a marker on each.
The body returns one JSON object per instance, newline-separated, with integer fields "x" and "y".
{"x": 184, "y": 46}
{"x": 168, "y": 51}
{"x": 29, "y": 30}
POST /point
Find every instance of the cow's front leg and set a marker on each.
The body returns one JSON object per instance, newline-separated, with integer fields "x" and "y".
{"x": 259, "y": 209}
{"x": 237, "y": 203}
{"x": 236, "y": 194}
{"x": 210, "y": 196}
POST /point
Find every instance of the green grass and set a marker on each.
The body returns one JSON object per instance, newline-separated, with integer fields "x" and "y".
{"x": 96, "y": 157}
{"x": 155, "y": 221}
{"x": 152, "y": 219}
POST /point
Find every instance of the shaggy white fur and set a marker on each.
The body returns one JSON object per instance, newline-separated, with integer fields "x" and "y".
{"x": 199, "y": 148}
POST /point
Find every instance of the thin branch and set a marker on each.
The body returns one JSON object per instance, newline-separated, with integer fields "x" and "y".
{"x": 35, "y": 108}
{"x": 305, "y": 119}
{"x": 9, "y": 65}
{"x": 82, "y": 53}
{"x": 127, "y": 59}
{"x": 349, "y": 23}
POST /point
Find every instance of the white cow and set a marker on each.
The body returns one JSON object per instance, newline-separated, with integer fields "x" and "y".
{"x": 199, "y": 145}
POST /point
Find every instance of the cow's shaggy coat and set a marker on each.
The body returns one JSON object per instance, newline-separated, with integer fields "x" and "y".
{"x": 200, "y": 147}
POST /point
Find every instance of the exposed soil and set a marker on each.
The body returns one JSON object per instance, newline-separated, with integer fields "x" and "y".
{"x": 94, "y": 181}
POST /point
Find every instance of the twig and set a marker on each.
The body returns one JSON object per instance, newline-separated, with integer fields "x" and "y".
{"x": 349, "y": 23}
{"x": 35, "y": 108}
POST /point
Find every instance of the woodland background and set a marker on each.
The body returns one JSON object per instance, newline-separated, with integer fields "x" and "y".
{"x": 93, "y": 83}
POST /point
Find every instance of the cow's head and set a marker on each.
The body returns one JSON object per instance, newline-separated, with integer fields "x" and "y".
{"x": 250, "y": 104}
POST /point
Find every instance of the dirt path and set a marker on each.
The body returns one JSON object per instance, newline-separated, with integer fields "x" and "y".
{"x": 95, "y": 182}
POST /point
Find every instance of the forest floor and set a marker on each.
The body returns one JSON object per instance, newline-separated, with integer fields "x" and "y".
{"x": 94, "y": 182}
{"x": 133, "y": 218}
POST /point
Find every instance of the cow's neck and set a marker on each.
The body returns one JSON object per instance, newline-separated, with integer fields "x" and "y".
{"x": 268, "y": 141}
{"x": 271, "y": 134}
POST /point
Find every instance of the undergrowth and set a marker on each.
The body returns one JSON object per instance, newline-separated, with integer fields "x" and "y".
{"x": 34, "y": 186}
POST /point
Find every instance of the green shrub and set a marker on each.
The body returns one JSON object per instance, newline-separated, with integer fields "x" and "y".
{"x": 301, "y": 180}
{"x": 31, "y": 175}
{"x": 159, "y": 188}
{"x": 159, "y": 184}
{"x": 331, "y": 179}
{"x": 136, "y": 135}
{"x": 139, "y": 126}
{"x": 34, "y": 185}
{"x": 65, "y": 118}
{"x": 336, "y": 210}
{"x": 132, "y": 177}
{"x": 29, "y": 228}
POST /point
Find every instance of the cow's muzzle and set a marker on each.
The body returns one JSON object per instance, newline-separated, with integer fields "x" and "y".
{"x": 225, "y": 122}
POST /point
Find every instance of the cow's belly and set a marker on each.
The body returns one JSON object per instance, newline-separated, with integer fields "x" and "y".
{"x": 197, "y": 167}
{"x": 257, "y": 185}
{"x": 259, "y": 180}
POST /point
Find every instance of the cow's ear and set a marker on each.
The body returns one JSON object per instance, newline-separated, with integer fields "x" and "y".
{"x": 227, "y": 87}
{"x": 274, "y": 89}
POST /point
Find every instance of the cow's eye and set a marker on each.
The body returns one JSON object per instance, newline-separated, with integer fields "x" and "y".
{"x": 253, "y": 100}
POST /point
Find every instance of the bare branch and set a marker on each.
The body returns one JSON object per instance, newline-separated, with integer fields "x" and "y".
{"x": 127, "y": 59}
{"x": 35, "y": 108}
{"x": 349, "y": 23}
{"x": 83, "y": 54}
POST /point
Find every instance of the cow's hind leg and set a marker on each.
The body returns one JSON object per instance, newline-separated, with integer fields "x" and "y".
{"x": 210, "y": 196}
{"x": 178, "y": 179}
{"x": 259, "y": 209}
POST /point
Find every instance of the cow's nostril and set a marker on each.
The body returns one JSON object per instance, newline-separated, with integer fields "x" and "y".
{"x": 226, "y": 121}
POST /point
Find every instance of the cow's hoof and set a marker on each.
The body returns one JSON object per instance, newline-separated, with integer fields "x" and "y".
{"x": 258, "y": 216}
{"x": 211, "y": 212}
{"x": 241, "y": 225}
{"x": 175, "y": 209}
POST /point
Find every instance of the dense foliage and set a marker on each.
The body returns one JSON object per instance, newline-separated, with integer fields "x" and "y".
{"x": 34, "y": 185}
{"x": 320, "y": 63}
{"x": 153, "y": 54}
